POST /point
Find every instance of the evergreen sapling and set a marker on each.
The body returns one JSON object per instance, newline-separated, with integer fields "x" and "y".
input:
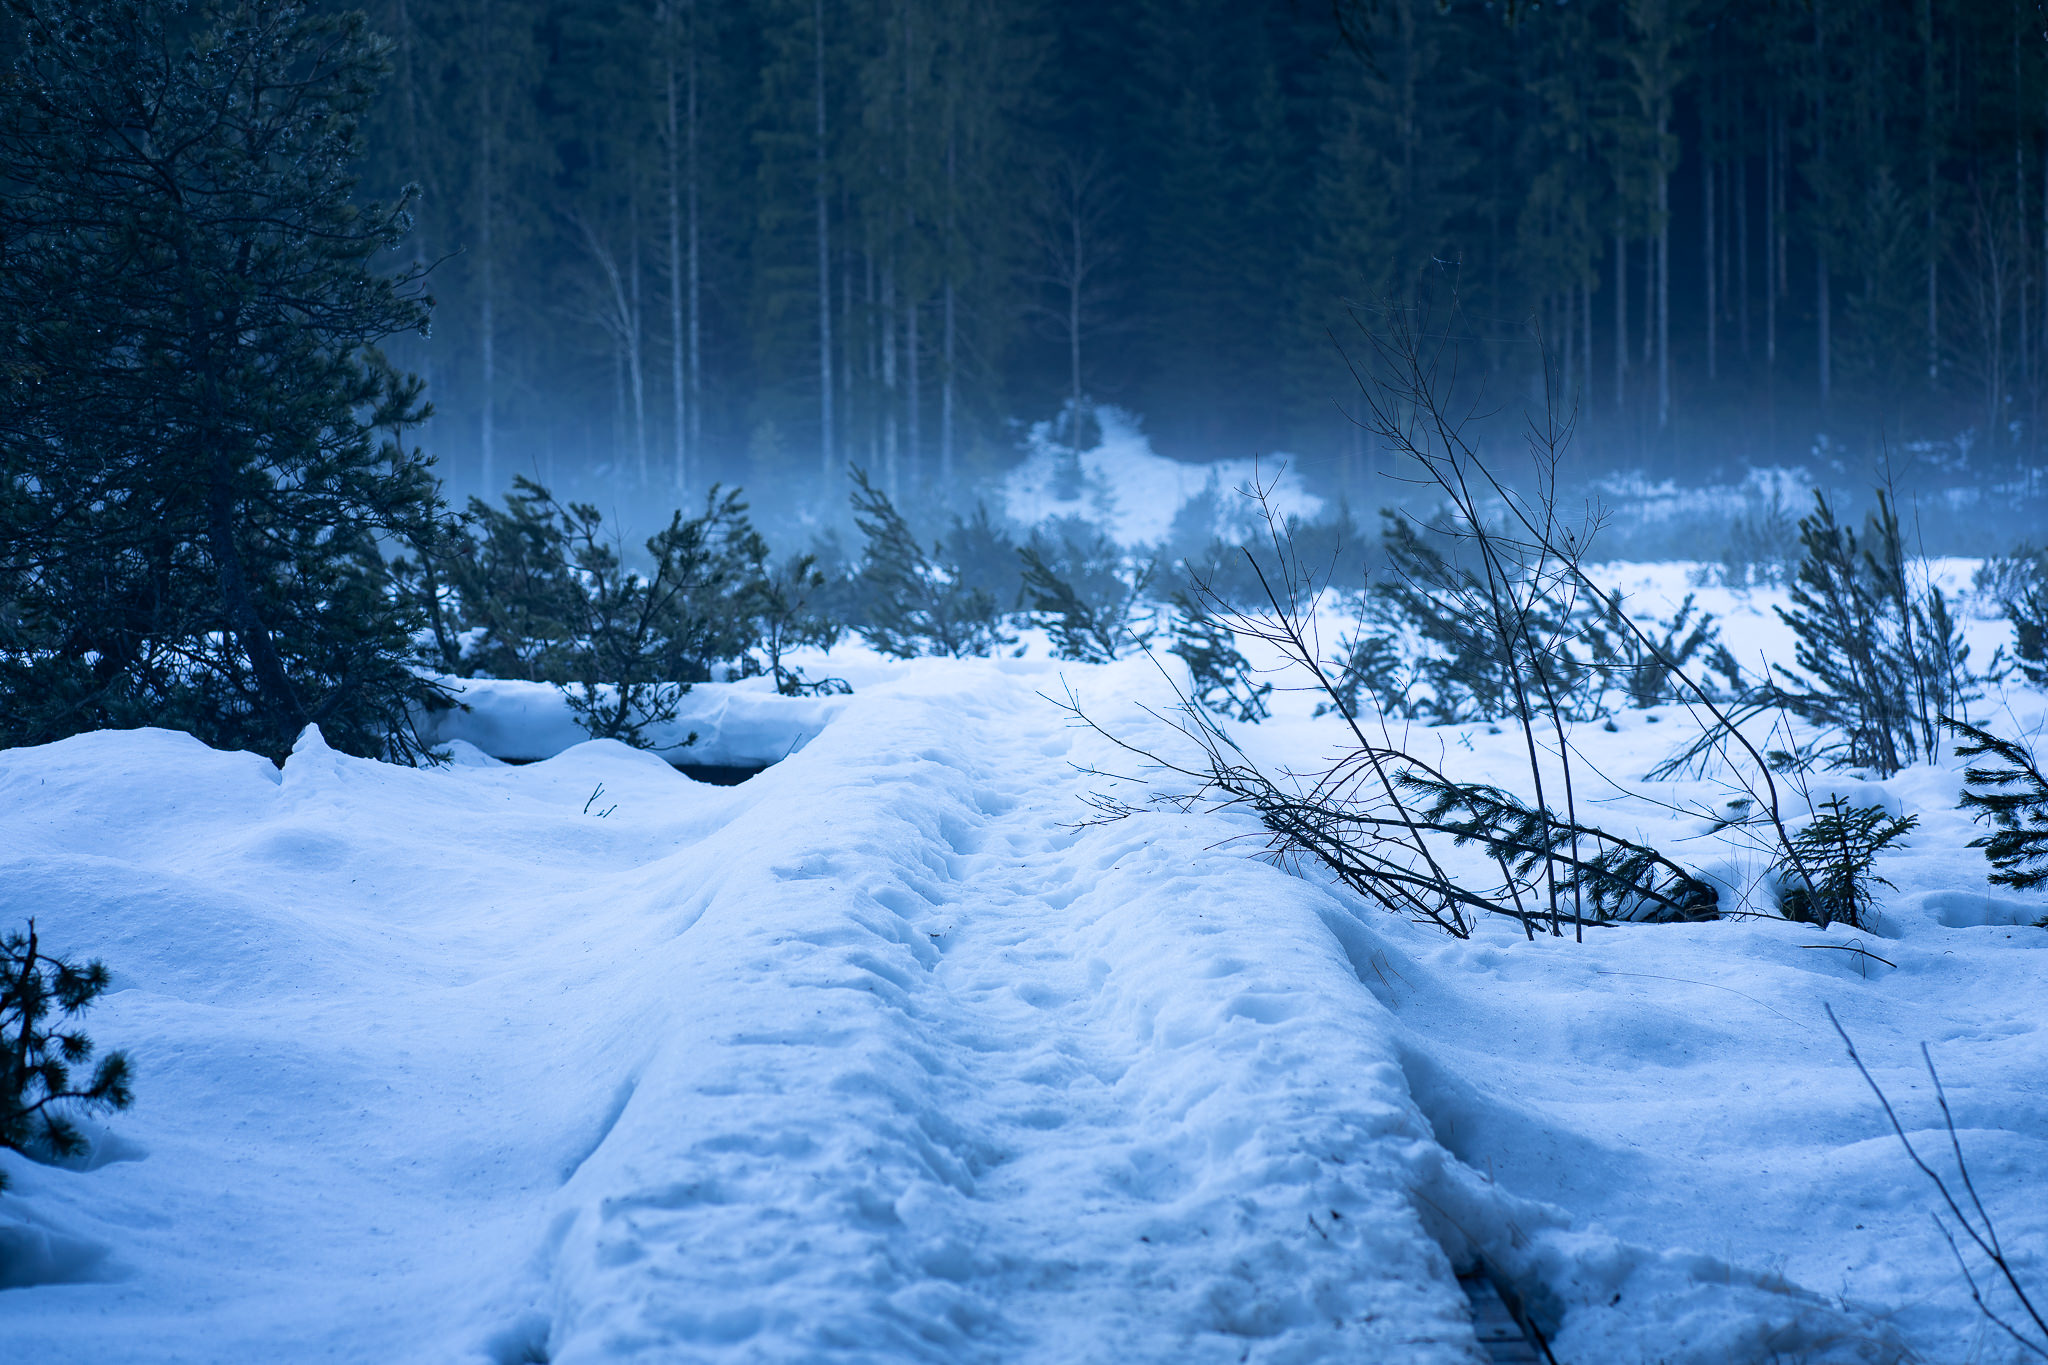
{"x": 543, "y": 591}
{"x": 1079, "y": 591}
{"x": 1370, "y": 665}
{"x": 1221, "y": 675}
{"x": 915, "y": 601}
{"x": 38, "y": 1054}
{"x": 789, "y": 608}
{"x": 1880, "y": 660}
{"x": 2011, "y": 795}
{"x": 2023, "y": 595}
{"x": 1827, "y": 866}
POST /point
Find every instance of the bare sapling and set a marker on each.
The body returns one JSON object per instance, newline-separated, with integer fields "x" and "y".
{"x": 1409, "y": 386}
{"x": 2028, "y": 1327}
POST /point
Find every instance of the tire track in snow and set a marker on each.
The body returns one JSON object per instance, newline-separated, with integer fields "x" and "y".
{"x": 949, "y": 1081}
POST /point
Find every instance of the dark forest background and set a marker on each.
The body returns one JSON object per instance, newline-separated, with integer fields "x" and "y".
{"x": 681, "y": 241}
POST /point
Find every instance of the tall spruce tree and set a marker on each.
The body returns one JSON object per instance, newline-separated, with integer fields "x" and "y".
{"x": 200, "y": 447}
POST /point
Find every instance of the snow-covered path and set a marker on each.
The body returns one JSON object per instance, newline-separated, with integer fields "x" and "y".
{"x": 874, "y": 1058}
{"x": 978, "y": 1086}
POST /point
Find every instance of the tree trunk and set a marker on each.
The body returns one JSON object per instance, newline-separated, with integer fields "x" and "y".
{"x": 913, "y": 393}
{"x": 1586, "y": 333}
{"x": 275, "y": 694}
{"x": 1822, "y": 303}
{"x": 2022, "y": 239}
{"x": 1620, "y": 319}
{"x": 488, "y": 288}
{"x": 828, "y": 467}
{"x": 1663, "y": 289}
{"x": 415, "y": 152}
{"x": 947, "y": 358}
{"x": 696, "y": 406}
{"x": 1567, "y": 315}
{"x": 1742, "y": 250}
{"x": 913, "y": 389}
{"x": 1932, "y": 151}
{"x": 872, "y": 337}
{"x": 1772, "y": 230}
{"x": 889, "y": 413}
{"x": 1713, "y": 297}
{"x": 1822, "y": 300}
{"x": 636, "y": 355}
{"x": 678, "y": 343}
{"x": 1074, "y": 281}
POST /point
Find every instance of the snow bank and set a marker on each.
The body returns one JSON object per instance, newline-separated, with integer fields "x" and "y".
{"x": 1134, "y": 493}
{"x": 742, "y": 724}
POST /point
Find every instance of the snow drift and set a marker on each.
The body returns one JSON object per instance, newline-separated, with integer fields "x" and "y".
{"x": 883, "y": 1056}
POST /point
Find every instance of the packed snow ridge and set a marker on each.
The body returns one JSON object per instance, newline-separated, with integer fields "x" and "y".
{"x": 885, "y": 1055}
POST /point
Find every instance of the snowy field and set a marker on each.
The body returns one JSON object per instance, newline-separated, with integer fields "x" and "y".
{"x": 882, "y": 1056}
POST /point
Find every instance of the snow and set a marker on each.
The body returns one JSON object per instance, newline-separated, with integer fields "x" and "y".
{"x": 741, "y": 724}
{"x": 1135, "y": 494}
{"x": 884, "y": 1055}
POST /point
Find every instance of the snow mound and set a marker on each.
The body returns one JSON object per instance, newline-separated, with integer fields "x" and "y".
{"x": 742, "y": 724}
{"x": 1133, "y": 492}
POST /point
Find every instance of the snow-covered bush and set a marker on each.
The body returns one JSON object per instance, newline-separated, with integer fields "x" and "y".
{"x": 540, "y": 591}
{"x": 37, "y": 1053}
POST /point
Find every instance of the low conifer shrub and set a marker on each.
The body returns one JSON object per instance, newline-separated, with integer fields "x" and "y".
{"x": 1078, "y": 586}
{"x": 1880, "y": 658}
{"x": 1828, "y": 864}
{"x": 915, "y": 600}
{"x": 2009, "y": 792}
{"x": 39, "y": 1053}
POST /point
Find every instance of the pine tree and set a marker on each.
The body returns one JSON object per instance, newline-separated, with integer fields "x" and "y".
{"x": 1880, "y": 659}
{"x": 201, "y": 453}
{"x": 1221, "y": 677}
{"x": 36, "y": 1058}
{"x": 1827, "y": 867}
{"x": 2011, "y": 793}
{"x": 1083, "y": 592}
{"x": 541, "y": 590}
{"x": 915, "y": 601}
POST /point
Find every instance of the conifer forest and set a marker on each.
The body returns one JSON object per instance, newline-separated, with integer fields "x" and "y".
{"x": 679, "y": 242}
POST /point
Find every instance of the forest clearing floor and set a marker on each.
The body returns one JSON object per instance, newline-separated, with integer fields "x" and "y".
{"x": 886, "y": 1055}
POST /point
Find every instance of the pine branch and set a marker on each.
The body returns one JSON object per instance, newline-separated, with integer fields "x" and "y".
{"x": 2012, "y": 795}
